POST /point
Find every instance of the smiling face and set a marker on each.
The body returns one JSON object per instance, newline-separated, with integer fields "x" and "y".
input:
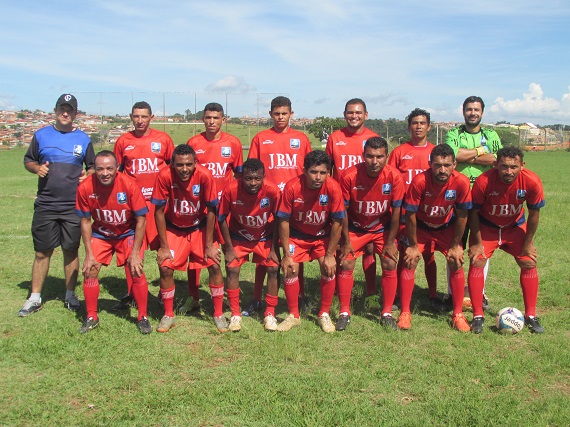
{"x": 184, "y": 166}
{"x": 442, "y": 167}
{"x": 355, "y": 116}
{"x": 64, "y": 116}
{"x": 509, "y": 168}
{"x": 106, "y": 169}
{"x": 141, "y": 119}
{"x": 473, "y": 113}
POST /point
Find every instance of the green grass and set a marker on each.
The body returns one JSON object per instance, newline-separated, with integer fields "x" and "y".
{"x": 366, "y": 376}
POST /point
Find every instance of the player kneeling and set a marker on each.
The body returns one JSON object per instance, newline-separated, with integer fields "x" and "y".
{"x": 116, "y": 205}
{"x": 246, "y": 218}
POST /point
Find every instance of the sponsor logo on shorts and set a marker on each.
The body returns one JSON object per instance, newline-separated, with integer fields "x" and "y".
{"x": 521, "y": 194}
{"x": 77, "y": 150}
{"x": 122, "y": 198}
{"x": 196, "y": 190}
{"x": 386, "y": 188}
{"x": 155, "y": 147}
{"x": 226, "y": 152}
{"x": 295, "y": 143}
{"x": 264, "y": 203}
{"x": 450, "y": 195}
{"x": 323, "y": 199}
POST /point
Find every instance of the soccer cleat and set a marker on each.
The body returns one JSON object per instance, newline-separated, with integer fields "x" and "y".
{"x": 486, "y": 305}
{"x": 289, "y": 322}
{"x": 221, "y": 323}
{"x": 326, "y": 323}
{"x": 388, "y": 322}
{"x": 477, "y": 324}
{"x": 235, "y": 324}
{"x": 460, "y": 323}
{"x": 436, "y": 304}
{"x": 342, "y": 322}
{"x": 29, "y": 308}
{"x": 166, "y": 324}
{"x": 89, "y": 324}
{"x": 252, "y": 309}
{"x": 372, "y": 303}
{"x": 270, "y": 323}
{"x": 72, "y": 303}
{"x": 534, "y": 325}
{"x": 405, "y": 320}
{"x": 190, "y": 305}
{"x": 126, "y": 302}
{"x": 144, "y": 326}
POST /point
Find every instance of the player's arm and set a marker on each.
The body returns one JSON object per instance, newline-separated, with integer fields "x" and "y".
{"x": 163, "y": 252}
{"x": 390, "y": 249}
{"x": 286, "y": 260}
{"x": 90, "y": 261}
{"x": 210, "y": 251}
{"x": 230, "y": 253}
{"x": 455, "y": 252}
{"x": 412, "y": 254}
{"x": 134, "y": 261}
{"x": 329, "y": 264}
{"x": 528, "y": 248}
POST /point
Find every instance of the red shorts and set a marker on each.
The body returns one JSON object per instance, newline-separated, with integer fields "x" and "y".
{"x": 361, "y": 239}
{"x": 103, "y": 250}
{"x": 151, "y": 235}
{"x": 302, "y": 250}
{"x": 509, "y": 240}
{"x": 403, "y": 240}
{"x": 260, "y": 251}
{"x": 434, "y": 240}
{"x": 187, "y": 247}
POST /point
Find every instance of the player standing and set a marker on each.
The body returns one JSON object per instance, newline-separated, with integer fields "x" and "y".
{"x": 57, "y": 154}
{"x": 282, "y": 150}
{"x": 372, "y": 193}
{"x": 345, "y": 148}
{"x": 436, "y": 206}
{"x": 246, "y": 218}
{"x": 311, "y": 216}
{"x": 186, "y": 200}
{"x": 412, "y": 158}
{"x": 497, "y": 221}
{"x": 141, "y": 154}
{"x": 115, "y": 203}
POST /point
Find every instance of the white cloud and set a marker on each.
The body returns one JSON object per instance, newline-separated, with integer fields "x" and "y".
{"x": 230, "y": 84}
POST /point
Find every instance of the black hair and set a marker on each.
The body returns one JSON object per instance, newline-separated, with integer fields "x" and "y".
{"x": 418, "y": 112}
{"x": 442, "y": 150}
{"x": 317, "y": 158}
{"x": 474, "y": 98}
{"x": 354, "y": 101}
{"x": 142, "y": 105}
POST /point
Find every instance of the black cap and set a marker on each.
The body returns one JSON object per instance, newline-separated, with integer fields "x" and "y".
{"x": 68, "y": 99}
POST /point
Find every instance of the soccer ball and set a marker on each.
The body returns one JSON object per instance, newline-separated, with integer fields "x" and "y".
{"x": 509, "y": 321}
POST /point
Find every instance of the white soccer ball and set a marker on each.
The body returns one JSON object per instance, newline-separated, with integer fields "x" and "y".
{"x": 509, "y": 320}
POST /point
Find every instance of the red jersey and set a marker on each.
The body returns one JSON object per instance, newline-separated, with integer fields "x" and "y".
{"x": 186, "y": 202}
{"x": 369, "y": 201}
{"x": 283, "y": 154}
{"x": 113, "y": 208}
{"x": 252, "y": 215}
{"x": 223, "y": 157}
{"x": 501, "y": 204}
{"x": 143, "y": 157}
{"x": 310, "y": 211}
{"x": 410, "y": 160}
{"x": 345, "y": 149}
{"x": 435, "y": 204}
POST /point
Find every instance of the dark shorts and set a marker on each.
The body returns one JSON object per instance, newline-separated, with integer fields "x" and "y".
{"x": 52, "y": 229}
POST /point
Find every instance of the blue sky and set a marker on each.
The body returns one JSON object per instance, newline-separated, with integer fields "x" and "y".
{"x": 320, "y": 53}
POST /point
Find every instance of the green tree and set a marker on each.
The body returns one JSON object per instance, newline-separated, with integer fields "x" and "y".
{"x": 322, "y": 127}
{"x": 508, "y": 136}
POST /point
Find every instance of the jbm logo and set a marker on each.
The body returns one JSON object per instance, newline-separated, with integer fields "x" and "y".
{"x": 226, "y": 152}
{"x": 450, "y": 195}
{"x": 291, "y": 249}
{"x": 77, "y": 150}
{"x": 264, "y": 203}
{"x": 386, "y": 188}
{"x": 323, "y": 199}
{"x": 155, "y": 147}
{"x": 295, "y": 143}
{"x": 521, "y": 194}
{"x": 122, "y": 198}
{"x": 196, "y": 190}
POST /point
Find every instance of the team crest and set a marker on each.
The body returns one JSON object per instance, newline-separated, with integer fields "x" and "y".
{"x": 323, "y": 199}
{"x": 291, "y": 250}
{"x": 450, "y": 195}
{"x": 155, "y": 147}
{"x": 77, "y": 150}
{"x": 363, "y": 143}
{"x": 122, "y": 198}
{"x": 386, "y": 188}
{"x": 264, "y": 203}
{"x": 196, "y": 190}
{"x": 521, "y": 194}
{"x": 226, "y": 152}
{"x": 295, "y": 143}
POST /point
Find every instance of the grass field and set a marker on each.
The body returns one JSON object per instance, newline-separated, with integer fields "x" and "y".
{"x": 367, "y": 376}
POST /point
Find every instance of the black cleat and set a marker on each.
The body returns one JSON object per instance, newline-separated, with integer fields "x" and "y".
{"x": 389, "y": 322}
{"x": 534, "y": 325}
{"x": 144, "y": 326}
{"x": 89, "y": 324}
{"x": 342, "y": 322}
{"x": 126, "y": 302}
{"x": 477, "y": 324}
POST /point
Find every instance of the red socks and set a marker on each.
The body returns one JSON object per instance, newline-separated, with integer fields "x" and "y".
{"x": 345, "y": 280}
{"x": 369, "y": 268}
{"x": 270, "y": 304}
{"x": 291, "y": 289}
{"x": 217, "y": 292}
{"x": 457, "y": 282}
{"x": 406, "y": 288}
{"x": 476, "y": 283}
{"x": 529, "y": 285}
{"x": 430, "y": 269}
{"x": 327, "y": 293}
{"x": 389, "y": 287}
{"x": 91, "y": 292}
{"x": 233, "y": 298}
{"x": 194, "y": 282}
{"x": 140, "y": 293}
{"x": 168, "y": 301}
{"x": 260, "y": 272}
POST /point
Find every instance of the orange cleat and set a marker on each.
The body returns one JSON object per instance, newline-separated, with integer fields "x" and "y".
{"x": 405, "y": 320}
{"x": 460, "y": 323}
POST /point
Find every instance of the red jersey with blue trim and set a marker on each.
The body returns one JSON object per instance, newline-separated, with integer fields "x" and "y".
{"x": 222, "y": 157}
{"x": 435, "y": 204}
{"x": 186, "y": 202}
{"x": 252, "y": 215}
{"x": 282, "y": 153}
{"x": 369, "y": 201}
{"x": 345, "y": 149}
{"x": 142, "y": 157}
{"x": 502, "y": 204}
{"x": 113, "y": 207}
{"x": 310, "y": 211}
{"x": 410, "y": 160}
